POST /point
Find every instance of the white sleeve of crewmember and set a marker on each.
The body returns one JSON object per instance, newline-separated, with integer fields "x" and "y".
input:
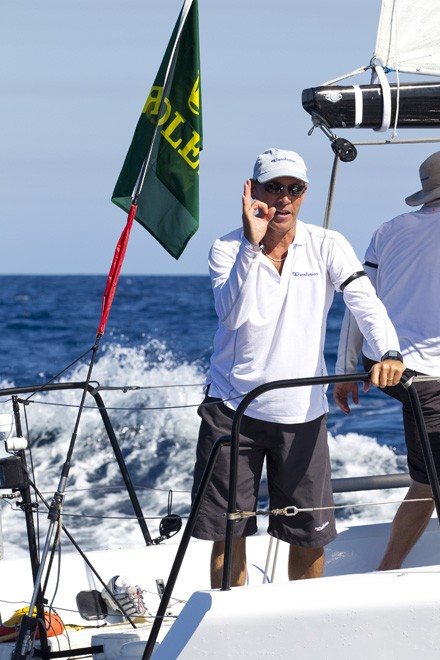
{"x": 372, "y": 319}
{"x": 233, "y": 278}
{"x": 350, "y": 344}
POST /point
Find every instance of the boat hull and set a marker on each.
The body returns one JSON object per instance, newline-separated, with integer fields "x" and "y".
{"x": 391, "y": 615}
{"x": 353, "y": 613}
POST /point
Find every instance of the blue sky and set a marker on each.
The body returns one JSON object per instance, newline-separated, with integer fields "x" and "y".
{"x": 75, "y": 75}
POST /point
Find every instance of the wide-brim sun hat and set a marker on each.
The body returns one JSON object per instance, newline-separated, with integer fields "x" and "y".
{"x": 429, "y": 172}
{"x": 275, "y": 163}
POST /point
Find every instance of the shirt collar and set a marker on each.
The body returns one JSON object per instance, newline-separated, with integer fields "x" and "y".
{"x": 300, "y": 234}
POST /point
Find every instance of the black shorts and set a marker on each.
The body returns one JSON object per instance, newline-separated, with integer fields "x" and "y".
{"x": 298, "y": 474}
{"x": 428, "y": 393}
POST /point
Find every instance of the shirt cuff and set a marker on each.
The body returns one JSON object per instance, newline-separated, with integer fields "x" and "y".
{"x": 250, "y": 246}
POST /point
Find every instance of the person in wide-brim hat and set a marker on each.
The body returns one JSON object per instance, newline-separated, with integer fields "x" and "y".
{"x": 430, "y": 179}
{"x": 402, "y": 262}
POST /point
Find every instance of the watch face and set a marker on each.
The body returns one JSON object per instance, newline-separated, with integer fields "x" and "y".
{"x": 392, "y": 355}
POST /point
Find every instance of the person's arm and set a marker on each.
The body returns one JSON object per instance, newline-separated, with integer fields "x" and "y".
{"x": 350, "y": 344}
{"x": 349, "y": 348}
{"x": 375, "y": 325}
{"x": 369, "y": 313}
{"x": 233, "y": 273}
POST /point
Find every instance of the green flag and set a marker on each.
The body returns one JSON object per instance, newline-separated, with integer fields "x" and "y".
{"x": 161, "y": 170}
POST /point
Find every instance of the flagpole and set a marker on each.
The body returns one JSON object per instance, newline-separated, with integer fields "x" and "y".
{"x": 172, "y": 61}
{"x": 121, "y": 247}
{"x": 115, "y": 269}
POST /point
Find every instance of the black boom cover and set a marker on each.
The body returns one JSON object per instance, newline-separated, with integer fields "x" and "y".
{"x": 419, "y": 105}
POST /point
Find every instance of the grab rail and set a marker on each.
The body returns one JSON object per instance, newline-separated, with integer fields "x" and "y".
{"x": 233, "y": 440}
{"x": 355, "y": 483}
{"x": 29, "y": 389}
{"x": 301, "y": 382}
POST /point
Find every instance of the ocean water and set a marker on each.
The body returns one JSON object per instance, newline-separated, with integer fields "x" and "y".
{"x": 152, "y": 358}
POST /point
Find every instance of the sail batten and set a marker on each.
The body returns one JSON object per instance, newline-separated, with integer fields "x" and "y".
{"x": 407, "y": 37}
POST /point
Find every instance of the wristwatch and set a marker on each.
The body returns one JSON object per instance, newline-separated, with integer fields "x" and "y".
{"x": 392, "y": 355}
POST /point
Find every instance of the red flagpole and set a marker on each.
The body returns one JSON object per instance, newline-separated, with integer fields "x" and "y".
{"x": 115, "y": 269}
{"x": 122, "y": 244}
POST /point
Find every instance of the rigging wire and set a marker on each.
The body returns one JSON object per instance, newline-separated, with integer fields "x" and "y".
{"x": 60, "y": 373}
{"x": 290, "y": 511}
{"x": 394, "y": 133}
{"x": 361, "y": 69}
{"x": 125, "y": 388}
{"x": 237, "y": 515}
{"x": 128, "y": 408}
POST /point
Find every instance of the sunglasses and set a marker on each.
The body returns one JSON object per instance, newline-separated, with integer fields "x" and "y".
{"x": 294, "y": 190}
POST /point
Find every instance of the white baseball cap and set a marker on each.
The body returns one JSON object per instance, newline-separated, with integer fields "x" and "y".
{"x": 429, "y": 172}
{"x": 275, "y": 163}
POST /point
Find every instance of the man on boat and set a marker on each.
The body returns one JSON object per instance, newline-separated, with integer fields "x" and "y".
{"x": 402, "y": 261}
{"x": 273, "y": 281}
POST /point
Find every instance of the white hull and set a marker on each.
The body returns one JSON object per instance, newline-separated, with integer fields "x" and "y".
{"x": 354, "y": 612}
{"x": 357, "y": 617}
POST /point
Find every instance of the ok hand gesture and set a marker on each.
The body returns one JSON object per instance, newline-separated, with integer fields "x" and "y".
{"x": 256, "y": 216}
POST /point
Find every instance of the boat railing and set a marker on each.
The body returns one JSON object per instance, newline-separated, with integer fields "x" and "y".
{"x": 14, "y": 392}
{"x": 13, "y": 476}
{"x": 338, "y": 485}
{"x": 231, "y": 516}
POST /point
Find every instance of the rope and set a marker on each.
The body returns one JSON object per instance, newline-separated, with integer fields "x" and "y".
{"x": 71, "y": 405}
{"x": 410, "y": 141}
{"x": 346, "y": 75}
{"x": 127, "y": 408}
{"x": 288, "y": 511}
{"x": 86, "y": 515}
{"x": 126, "y": 388}
{"x": 396, "y": 41}
{"x": 293, "y": 510}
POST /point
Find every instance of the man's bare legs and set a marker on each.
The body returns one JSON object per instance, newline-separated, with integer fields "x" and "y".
{"x": 238, "y": 573}
{"x": 408, "y": 525}
{"x": 303, "y": 563}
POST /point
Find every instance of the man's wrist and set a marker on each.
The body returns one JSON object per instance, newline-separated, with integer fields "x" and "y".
{"x": 392, "y": 355}
{"x": 251, "y": 246}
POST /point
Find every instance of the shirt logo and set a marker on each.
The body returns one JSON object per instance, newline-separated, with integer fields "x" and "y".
{"x": 296, "y": 273}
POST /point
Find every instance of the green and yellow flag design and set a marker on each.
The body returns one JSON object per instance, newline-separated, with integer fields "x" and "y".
{"x": 161, "y": 169}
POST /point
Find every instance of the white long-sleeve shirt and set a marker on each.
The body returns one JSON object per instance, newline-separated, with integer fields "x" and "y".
{"x": 272, "y": 326}
{"x": 403, "y": 263}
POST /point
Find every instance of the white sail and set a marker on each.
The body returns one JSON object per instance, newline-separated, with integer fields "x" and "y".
{"x": 408, "y": 36}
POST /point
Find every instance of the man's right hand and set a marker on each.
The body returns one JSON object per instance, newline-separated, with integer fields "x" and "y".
{"x": 256, "y": 216}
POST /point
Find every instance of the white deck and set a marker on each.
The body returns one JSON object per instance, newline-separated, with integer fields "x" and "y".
{"x": 353, "y": 612}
